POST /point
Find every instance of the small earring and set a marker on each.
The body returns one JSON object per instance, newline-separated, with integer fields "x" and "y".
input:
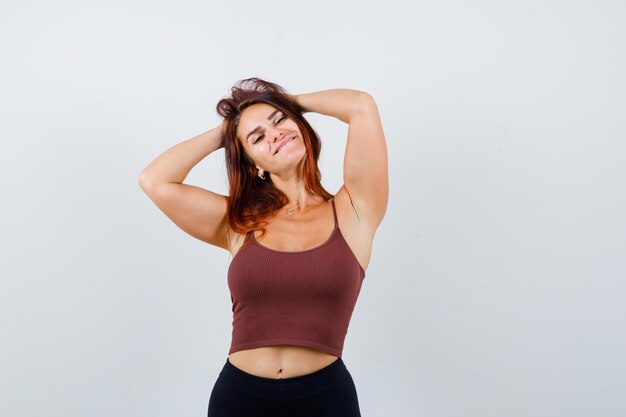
{"x": 262, "y": 175}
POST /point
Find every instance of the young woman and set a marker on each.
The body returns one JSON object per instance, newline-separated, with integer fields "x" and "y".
{"x": 293, "y": 286}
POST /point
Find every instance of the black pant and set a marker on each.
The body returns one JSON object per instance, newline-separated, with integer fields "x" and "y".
{"x": 327, "y": 392}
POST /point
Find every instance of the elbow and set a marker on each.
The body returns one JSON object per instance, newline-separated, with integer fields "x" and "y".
{"x": 366, "y": 100}
{"x": 144, "y": 181}
{"x": 362, "y": 104}
{"x": 366, "y": 96}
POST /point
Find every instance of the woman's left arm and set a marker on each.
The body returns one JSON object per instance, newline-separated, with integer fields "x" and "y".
{"x": 365, "y": 171}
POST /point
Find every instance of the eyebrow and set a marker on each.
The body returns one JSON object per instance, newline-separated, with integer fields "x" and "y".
{"x": 256, "y": 129}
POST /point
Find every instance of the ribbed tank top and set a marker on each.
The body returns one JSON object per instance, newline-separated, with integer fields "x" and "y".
{"x": 303, "y": 298}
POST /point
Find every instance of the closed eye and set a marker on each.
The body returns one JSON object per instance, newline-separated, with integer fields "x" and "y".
{"x": 259, "y": 138}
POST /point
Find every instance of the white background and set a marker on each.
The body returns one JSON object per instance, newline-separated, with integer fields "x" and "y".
{"x": 496, "y": 283}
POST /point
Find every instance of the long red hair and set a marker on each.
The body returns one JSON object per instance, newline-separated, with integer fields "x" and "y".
{"x": 250, "y": 198}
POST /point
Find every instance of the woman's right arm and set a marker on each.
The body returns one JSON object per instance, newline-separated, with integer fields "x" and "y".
{"x": 197, "y": 211}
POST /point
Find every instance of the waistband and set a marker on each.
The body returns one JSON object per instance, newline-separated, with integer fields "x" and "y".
{"x": 284, "y": 388}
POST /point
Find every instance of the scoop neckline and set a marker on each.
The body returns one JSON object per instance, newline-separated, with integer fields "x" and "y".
{"x": 336, "y": 232}
{"x": 332, "y": 236}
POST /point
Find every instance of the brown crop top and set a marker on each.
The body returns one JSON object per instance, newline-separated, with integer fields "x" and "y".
{"x": 302, "y": 298}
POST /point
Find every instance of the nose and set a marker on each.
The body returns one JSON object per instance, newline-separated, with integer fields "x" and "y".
{"x": 278, "y": 136}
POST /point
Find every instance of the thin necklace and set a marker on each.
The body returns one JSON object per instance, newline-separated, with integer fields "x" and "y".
{"x": 290, "y": 211}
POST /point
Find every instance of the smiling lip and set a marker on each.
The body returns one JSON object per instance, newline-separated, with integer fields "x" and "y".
{"x": 282, "y": 142}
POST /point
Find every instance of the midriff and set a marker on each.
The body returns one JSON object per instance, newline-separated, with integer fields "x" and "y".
{"x": 281, "y": 361}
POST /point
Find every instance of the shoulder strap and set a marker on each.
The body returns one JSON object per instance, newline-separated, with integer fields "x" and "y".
{"x": 334, "y": 211}
{"x": 249, "y": 236}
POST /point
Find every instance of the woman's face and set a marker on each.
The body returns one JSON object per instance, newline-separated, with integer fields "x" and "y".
{"x": 261, "y": 129}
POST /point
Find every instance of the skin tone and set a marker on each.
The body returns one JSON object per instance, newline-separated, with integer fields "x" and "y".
{"x": 286, "y": 167}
